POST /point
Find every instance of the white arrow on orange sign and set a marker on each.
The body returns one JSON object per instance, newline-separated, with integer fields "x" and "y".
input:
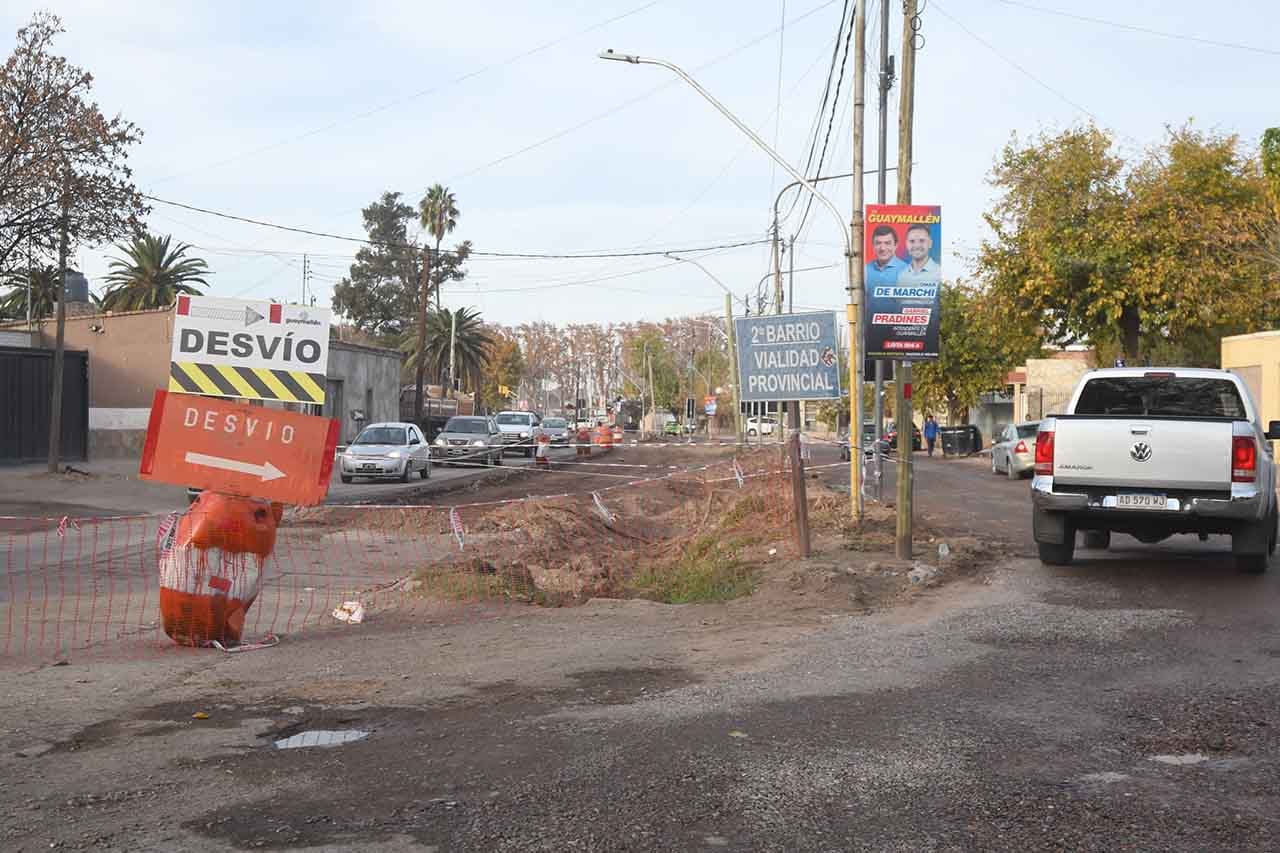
{"x": 266, "y": 471}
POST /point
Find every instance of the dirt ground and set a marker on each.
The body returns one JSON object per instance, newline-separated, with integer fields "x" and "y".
{"x": 163, "y": 748}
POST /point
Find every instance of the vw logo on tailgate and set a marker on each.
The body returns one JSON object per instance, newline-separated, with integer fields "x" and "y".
{"x": 1140, "y": 452}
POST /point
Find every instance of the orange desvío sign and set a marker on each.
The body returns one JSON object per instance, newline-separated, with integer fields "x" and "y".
{"x": 223, "y": 446}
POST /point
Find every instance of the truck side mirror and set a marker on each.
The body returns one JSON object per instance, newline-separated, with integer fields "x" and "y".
{"x": 1273, "y": 431}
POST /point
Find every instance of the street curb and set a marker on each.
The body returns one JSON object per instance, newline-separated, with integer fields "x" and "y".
{"x": 454, "y": 484}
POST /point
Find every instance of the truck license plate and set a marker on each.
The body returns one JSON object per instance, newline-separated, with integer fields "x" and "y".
{"x": 1142, "y": 502}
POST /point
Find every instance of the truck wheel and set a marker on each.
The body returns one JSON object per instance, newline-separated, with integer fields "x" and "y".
{"x": 1097, "y": 540}
{"x": 425, "y": 473}
{"x": 1057, "y": 555}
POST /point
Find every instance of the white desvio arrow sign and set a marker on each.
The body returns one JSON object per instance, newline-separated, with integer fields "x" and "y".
{"x": 266, "y": 471}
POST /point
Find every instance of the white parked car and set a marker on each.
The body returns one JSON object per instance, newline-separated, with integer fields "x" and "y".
{"x": 760, "y": 426}
{"x": 386, "y": 450}
{"x": 520, "y": 430}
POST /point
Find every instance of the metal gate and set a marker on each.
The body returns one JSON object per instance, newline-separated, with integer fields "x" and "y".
{"x": 26, "y": 375}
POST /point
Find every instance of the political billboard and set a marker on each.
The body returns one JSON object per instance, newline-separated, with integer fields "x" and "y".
{"x": 904, "y": 280}
{"x": 788, "y": 357}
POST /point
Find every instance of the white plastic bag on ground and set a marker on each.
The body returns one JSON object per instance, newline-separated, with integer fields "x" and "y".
{"x": 351, "y": 612}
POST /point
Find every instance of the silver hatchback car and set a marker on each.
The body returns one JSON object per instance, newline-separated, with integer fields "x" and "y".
{"x": 1014, "y": 450}
{"x": 387, "y": 450}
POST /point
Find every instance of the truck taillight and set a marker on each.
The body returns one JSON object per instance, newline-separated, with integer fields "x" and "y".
{"x": 1244, "y": 459}
{"x": 1044, "y": 453}
{"x": 1021, "y": 448}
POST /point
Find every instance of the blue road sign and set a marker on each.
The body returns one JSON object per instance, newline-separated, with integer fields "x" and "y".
{"x": 788, "y": 357}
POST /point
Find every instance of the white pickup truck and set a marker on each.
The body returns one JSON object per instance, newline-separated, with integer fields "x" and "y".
{"x": 1153, "y": 452}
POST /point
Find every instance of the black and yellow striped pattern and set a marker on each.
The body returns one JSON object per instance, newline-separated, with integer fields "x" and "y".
{"x": 255, "y": 383}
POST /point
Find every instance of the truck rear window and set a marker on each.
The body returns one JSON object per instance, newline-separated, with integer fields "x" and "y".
{"x": 1156, "y": 396}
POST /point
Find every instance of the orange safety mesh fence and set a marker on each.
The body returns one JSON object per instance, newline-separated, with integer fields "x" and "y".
{"x": 672, "y": 535}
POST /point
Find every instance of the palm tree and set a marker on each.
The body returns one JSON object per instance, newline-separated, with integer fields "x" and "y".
{"x": 470, "y": 346}
{"x": 152, "y": 275}
{"x": 438, "y": 212}
{"x": 44, "y": 294}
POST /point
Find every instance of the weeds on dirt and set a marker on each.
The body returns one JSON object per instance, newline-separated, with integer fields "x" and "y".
{"x": 708, "y": 570}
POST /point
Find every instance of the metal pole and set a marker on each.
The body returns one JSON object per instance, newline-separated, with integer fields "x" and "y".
{"x": 653, "y": 401}
{"x": 886, "y": 82}
{"x": 453, "y": 337}
{"x": 778, "y": 249}
{"x": 905, "y": 126}
{"x": 857, "y": 268}
{"x": 59, "y": 347}
{"x": 31, "y": 262}
{"x": 733, "y": 355}
{"x": 797, "y": 422}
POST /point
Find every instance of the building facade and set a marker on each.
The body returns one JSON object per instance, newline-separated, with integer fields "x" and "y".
{"x": 129, "y": 353}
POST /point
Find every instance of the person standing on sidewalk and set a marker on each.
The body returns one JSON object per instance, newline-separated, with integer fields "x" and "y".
{"x": 930, "y": 432}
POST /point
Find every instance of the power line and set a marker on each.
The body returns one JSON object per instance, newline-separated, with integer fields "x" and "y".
{"x": 1146, "y": 30}
{"x": 777, "y": 110}
{"x": 989, "y": 46}
{"x": 414, "y": 96}
{"x": 634, "y": 100}
{"x": 476, "y": 253}
{"x": 830, "y": 122}
{"x": 822, "y": 107}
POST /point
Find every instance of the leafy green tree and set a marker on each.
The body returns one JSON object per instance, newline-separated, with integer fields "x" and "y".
{"x": 648, "y": 349}
{"x": 380, "y": 293}
{"x": 153, "y": 274}
{"x": 470, "y": 345}
{"x": 1097, "y": 250}
{"x": 504, "y": 367}
{"x": 979, "y": 344}
{"x": 438, "y": 214}
{"x": 44, "y": 294}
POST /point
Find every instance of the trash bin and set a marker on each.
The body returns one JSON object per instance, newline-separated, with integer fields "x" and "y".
{"x": 956, "y": 441}
{"x": 976, "y": 436}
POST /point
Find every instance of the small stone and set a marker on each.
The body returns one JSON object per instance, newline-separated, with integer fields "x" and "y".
{"x": 295, "y": 710}
{"x": 716, "y": 841}
{"x": 923, "y": 575}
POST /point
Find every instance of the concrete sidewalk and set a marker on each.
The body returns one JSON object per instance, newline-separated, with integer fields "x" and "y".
{"x": 109, "y": 487}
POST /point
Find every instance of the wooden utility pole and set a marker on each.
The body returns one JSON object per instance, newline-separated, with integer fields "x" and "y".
{"x": 906, "y": 107}
{"x": 420, "y": 367}
{"x": 857, "y": 263}
{"x": 886, "y": 82}
{"x": 799, "y": 498}
{"x": 60, "y": 344}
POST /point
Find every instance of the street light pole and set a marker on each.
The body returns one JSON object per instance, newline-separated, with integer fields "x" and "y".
{"x": 852, "y": 246}
{"x": 732, "y": 341}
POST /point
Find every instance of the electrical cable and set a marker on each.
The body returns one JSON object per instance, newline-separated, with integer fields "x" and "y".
{"x": 414, "y": 96}
{"x": 989, "y": 46}
{"x": 1145, "y": 30}
{"x": 830, "y": 124}
{"x": 473, "y": 253}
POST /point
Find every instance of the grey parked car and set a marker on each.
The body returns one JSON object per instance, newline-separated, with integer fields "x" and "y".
{"x": 1014, "y": 450}
{"x": 556, "y": 429}
{"x": 471, "y": 439}
{"x": 388, "y": 450}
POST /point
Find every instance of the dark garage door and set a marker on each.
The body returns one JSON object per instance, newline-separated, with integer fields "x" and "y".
{"x": 26, "y": 377}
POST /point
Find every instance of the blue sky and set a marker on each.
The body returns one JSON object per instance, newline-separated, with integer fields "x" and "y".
{"x": 303, "y": 113}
